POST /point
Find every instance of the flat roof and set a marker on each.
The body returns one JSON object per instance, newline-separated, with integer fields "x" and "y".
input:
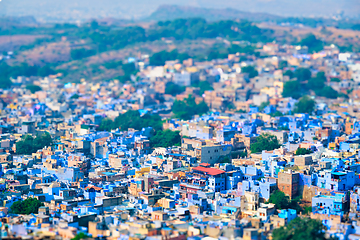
{"x": 211, "y": 171}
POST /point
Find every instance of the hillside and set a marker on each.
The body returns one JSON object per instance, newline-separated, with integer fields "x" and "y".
{"x": 83, "y": 10}
{"x": 170, "y": 12}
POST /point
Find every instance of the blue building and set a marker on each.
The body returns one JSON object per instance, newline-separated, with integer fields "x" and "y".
{"x": 289, "y": 214}
{"x": 336, "y": 204}
{"x": 337, "y": 181}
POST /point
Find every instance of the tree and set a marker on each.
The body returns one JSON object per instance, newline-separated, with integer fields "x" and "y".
{"x": 280, "y": 200}
{"x": 289, "y": 73}
{"x": 313, "y": 44}
{"x": 315, "y": 84}
{"x": 75, "y": 96}
{"x": 327, "y": 92}
{"x": 28, "y": 145}
{"x": 159, "y": 58}
{"x": 204, "y": 86}
{"x": 302, "y": 151}
{"x": 265, "y": 142}
{"x": 166, "y": 138}
{"x": 80, "y": 53}
{"x": 225, "y": 159}
{"x": 302, "y": 74}
{"x": 94, "y": 24}
{"x": 299, "y": 229}
{"x": 173, "y": 89}
{"x": 283, "y": 64}
{"x": 240, "y": 154}
{"x": 335, "y": 79}
{"x": 106, "y": 125}
{"x": 250, "y": 70}
{"x": 263, "y": 105}
{"x": 276, "y": 114}
{"x": 292, "y": 89}
{"x": 188, "y": 108}
{"x": 33, "y": 88}
{"x": 129, "y": 69}
{"x": 27, "y": 206}
{"x": 305, "y": 105}
{"x": 5, "y": 82}
{"x": 45, "y": 71}
{"x": 80, "y": 236}
{"x": 131, "y": 119}
{"x": 113, "y": 64}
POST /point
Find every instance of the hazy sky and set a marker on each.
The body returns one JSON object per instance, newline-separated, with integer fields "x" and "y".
{"x": 75, "y": 9}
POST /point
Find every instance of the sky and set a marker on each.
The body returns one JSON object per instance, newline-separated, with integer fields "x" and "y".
{"x": 135, "y": 9}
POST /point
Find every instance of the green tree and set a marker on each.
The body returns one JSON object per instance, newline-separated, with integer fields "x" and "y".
{"x": 27, "y": 206}
{"x": 173, "y": 89}
{"x": 283, "y": 64}
{"x": 317, "y": 82}
{"x": 265, "y": 142}
{"x": 132, "y": 119}
{"x": 289, "y": 73}
{"x": 225, "y": 159}
{"x": 129, "y": 69}
{"x": 327, "y": 92}
{"x": 33, "y": 88}
{"x": 277, "y": 114}
{"x": 5, "y": 82}
{"x": 263, "y": 105}
{"x": 248, "y": 50}
{"x": 166, "y": 138}
{"x": 75, "y": 96}
{"x": 113, "y": 64}
{"x": 188, "y": 108}
{"x": 335, "y": 79}
{"x": 280, "y": 200}
{"x": 292, "y": 89}
{"x": 204, "y": 86}
{"x": 106, "y": 125}
{"x": 302, "y": 151}
{"x": 240, "y": 154}
{"x": 159, "y": 58}
{"x": 305, "y": 105}
{"x": 80, "y": 236}
{"x": 45, "y": 71}
{"x": 250, "y": 70}
{"x": 299, "y": 229}
{"x": 313, "y": 44}
{"x": 28, "y": 145}
{"x": 302, "y": 74}
{"x": 80, "y": 53}
{"x": 94, "y": 24}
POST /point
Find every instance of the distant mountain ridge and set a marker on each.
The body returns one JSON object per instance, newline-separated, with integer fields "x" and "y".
{"x": 9, "y": 22}
{"x": 83, "y": 10}
{"x": 170, "y": 12}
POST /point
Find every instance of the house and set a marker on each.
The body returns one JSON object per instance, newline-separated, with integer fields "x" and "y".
{"x": 288, "y": 182}
{"x": 336, "y": 204}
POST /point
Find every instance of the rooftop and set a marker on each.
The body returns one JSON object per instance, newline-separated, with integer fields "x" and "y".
{"x": 211, "y": 171}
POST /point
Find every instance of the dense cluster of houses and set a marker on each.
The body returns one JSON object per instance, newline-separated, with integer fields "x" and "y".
{"x": 116, "y": 185}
